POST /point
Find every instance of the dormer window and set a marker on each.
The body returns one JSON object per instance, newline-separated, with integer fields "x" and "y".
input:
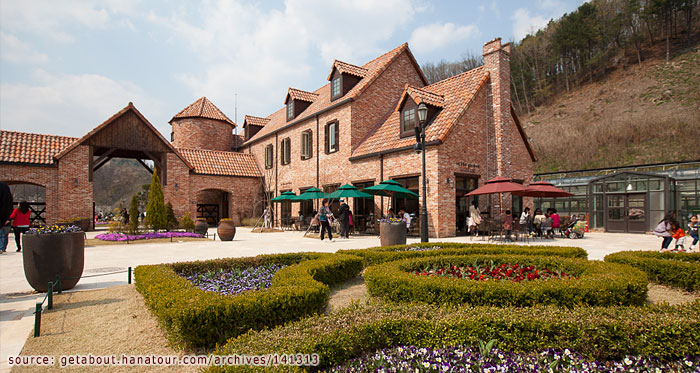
{"x": 336, "y": 87}
{"x": 290, "y": 110}
{"x": 408, "y": 120}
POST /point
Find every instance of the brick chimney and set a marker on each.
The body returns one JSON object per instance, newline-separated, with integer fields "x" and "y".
{"x": 497, "y": 62}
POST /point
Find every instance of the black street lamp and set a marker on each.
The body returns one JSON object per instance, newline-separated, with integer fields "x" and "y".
{"x": 420, "y": 145}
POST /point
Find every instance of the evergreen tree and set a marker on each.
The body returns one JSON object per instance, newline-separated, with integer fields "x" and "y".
{"x": 172, "y": 220}
{"x": 156, "y": 216}
{"x": 134, "y": 215}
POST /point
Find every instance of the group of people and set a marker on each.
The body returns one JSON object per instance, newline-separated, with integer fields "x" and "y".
{"x": 324, "y": 218}
{"x": 540, "y": 224}
{"x": 403, "y": 215}
{"x": 15, "y": 219}
{"x": 669, "y": 229}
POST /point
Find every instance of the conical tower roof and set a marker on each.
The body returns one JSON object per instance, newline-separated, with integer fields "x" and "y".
{"x": 203, "y": 108}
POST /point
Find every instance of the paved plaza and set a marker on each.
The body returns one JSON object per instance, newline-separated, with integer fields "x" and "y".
{"x": 17, "y": 298}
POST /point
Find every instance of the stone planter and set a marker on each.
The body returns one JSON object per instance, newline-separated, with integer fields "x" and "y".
{"x": 226, "y": 230}
{"x": 391, "y": 234}
{"x": 48, "y": 255}
{"x": 201, "y": 226}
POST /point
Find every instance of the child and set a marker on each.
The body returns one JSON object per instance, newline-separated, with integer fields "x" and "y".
{"x": 508, "y": 225}
{"x": 679, "y": 235}
{"x": 693, "y": 232}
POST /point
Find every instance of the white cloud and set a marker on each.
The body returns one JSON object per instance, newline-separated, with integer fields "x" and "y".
{"x": 435, "y": 36}
{"x": 50, "y": 18}
{"x": 69, "y": 105}
{"x": 524, "y": 23}
{"x": 258, "y": 53}
{"x": 17, "y": 51}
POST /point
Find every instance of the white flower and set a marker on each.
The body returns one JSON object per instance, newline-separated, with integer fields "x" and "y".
{"x": 567, "y": 352}
{"x": 426, "y": 364}
{"x": 689, "y": 363}
{"x": 628, "y": 361}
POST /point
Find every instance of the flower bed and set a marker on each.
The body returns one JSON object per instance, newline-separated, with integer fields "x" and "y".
{"x": 675, "y": 269}
{"x": 597, "y": 333}
{"x": 595, "y": 283}
{"x": 377, "y": 255}
{"x": 491, "y": 272}
{"x": 471, "y": 359}
{"x": 235, "y": 280}
{"x": 144, "y": 236}
{"x": 199, "y": 318}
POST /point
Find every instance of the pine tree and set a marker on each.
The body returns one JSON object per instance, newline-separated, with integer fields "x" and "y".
{"x": 156, "y": 216}
{"x": 172, "y": 220}
{"x": 134, "y": 215}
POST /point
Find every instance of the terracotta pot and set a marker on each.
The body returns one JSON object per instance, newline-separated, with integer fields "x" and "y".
{"x": 48, "y": 255}
{"x": 201, "y": 226}
{"x": 226, "y": 230}
{"x": 391, "y": 234}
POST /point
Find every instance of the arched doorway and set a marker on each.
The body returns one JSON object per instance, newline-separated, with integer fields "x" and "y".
{"x": 32, "y": 193}
{"x": 212, "y": 205}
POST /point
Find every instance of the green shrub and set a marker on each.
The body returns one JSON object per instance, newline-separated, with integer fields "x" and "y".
{"x": 187, "y": 223}
{"x": 156, "y": 216}
{"x": 170, "y": 217}
{"x": 675, "y": 269}
{"x": 199, "y": 318}
{"x": 134, "y": 215}
{"x": 383, "y": 254}
{"x": 597, "y": 283}
{"x": 600, "y": 333}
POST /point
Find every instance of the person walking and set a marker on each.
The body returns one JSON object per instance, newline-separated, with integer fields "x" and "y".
{"x": 267, "y": 218}
{"x": 664, "y": 230}
{"x": 526, "y": 220}
{"x": 20, "y": 222}
{"x": 324, "y": 217}
{"x": 693, "y": 232}
{"x": 406, "y": 218}
{"x": 5, "y": 211}
{"x": 474, "y": 218}
{"x": 344, "y": 219}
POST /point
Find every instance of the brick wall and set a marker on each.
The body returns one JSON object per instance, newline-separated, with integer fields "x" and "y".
{"x": 75, "y": 195}
{"x": 202, "y": 133}
{"x": 242, "y": 192}
{"x": 46, "y": 177}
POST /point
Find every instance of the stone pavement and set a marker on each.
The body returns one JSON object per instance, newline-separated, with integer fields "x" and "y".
{"x": 17, "y": 299}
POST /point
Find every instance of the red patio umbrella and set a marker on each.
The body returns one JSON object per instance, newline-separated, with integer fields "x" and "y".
{"x": 498, "y": 185}
{"x": 543, "y": 189}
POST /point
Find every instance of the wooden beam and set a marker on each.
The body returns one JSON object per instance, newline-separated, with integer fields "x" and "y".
{"x": 145, "y": 165}
{"x": 103, "y": 156}
{"x": 151, "y": 156}
{"x": 97, "y": 167}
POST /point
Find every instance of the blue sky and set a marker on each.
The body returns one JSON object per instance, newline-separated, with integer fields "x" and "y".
{"x": 66, "y": 66}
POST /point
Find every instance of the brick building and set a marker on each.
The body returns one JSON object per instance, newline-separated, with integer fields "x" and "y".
{"x": 358, "y": 129}
{"x": 199, "y": 171}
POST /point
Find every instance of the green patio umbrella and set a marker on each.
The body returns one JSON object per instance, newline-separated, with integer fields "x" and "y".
{"x": 347, "y": 191}
{"x": 311, "y": 193}
{"x": 390, "y": 188}
{"x": 286, "y": 196}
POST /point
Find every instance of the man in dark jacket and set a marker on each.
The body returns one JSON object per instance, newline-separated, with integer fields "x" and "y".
{"x": 344, "y": 219}
{"x": 5, "y": 211}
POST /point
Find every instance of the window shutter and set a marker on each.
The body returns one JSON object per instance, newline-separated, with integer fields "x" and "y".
{"x": 311, "y": 145}
{"x": 327, "y": 138}
{"x": 288, "y": 151}
{"x": 337, "y": 136}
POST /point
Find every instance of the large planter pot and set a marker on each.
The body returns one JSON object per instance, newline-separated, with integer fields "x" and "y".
{"x": 48, "y": 255}
{"x": 201, "y": 226}
{"x": 391, "y": 234}
{"x": 226, "y": 230}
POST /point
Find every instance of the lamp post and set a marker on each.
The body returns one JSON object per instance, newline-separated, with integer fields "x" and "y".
{"x": 420, "y": 143}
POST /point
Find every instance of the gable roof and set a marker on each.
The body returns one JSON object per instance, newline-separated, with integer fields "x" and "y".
{"x": 347, "y": 68}
{"x": 454, "y": 96}
{"x": 254, "y": 121}
{"x": 31, "y": 148}
{"x": 278, "y": 119}
{"x": 203, "y": 108}
{"x": 129, "y": 107}
{"x": 217, "y": 162}
{"x": 298, "y": 94}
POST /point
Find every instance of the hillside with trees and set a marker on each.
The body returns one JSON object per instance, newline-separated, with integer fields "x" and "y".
{"x": 614, "y": 82}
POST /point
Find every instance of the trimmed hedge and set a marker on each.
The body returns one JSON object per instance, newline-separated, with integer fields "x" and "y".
{"x": 598, "y": 283}
{"x": 200, "y": 318}
{"x": 675, "y": 269}
{"x": 382, "y": 254}
{"x": 599, "y": 333}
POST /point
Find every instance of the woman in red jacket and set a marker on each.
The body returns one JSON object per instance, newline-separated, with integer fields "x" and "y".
{"x": 20, "y": 222}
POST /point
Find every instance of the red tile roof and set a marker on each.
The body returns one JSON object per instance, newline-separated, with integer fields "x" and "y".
{"x": 374, "y": 68}
{"x": 346, "y": 68}
{"x": 33, "y": 148}
{"x": 216, "y": 162}
{"x": 419, "y": 94}
{"x": 255, "y": 121}
{"x": 456, "y": 93}
{"x": 298, "y": 94}
{"x": 203, "y": 108}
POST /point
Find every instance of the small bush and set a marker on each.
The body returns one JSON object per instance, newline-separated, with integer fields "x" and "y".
{"x": 203, "y": 319}
{"x": 383, "y": 254}
{"x": 170, "y": 217}
{"x": 675, "y": 269}
{"x": 134, "y": 215}
{"x": 598, "y": 283}
{"x": 187, "y": 223}
{"x": 598, "y": 333}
